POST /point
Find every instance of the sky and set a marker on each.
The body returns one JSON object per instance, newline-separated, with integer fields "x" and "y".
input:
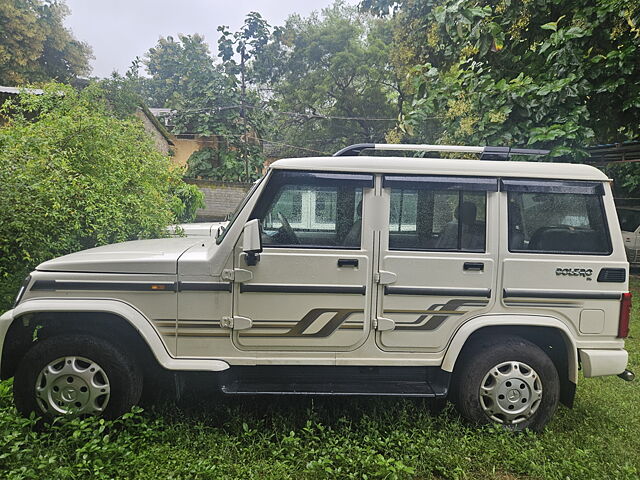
{"x": 120, "y": 30}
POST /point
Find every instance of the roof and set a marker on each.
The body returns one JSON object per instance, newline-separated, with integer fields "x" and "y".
{"x": 439, "y": 166}
{"x": 158, "y": 126}
{"x": 19, "y": 90}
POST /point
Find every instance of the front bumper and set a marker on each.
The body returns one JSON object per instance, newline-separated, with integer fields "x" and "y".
{"x": 596, "y": 363}
{"x": 5, "y": 323}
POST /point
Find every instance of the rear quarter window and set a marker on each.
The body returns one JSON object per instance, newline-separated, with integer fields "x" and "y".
{"x": 560, "y": 223}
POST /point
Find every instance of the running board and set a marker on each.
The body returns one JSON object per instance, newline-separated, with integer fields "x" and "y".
{"x": 429, "y": 382}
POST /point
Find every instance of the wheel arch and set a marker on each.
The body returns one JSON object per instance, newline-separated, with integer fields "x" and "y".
{"x": 110, "y": 319}
{"x": 550, "y": 334}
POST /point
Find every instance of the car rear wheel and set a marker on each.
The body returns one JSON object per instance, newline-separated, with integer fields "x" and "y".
{"x": 509, "y": 381}
{"x": 76, "y": 375}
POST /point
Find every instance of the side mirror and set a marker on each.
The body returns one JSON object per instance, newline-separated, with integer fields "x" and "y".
{"x": 252, "y": 242}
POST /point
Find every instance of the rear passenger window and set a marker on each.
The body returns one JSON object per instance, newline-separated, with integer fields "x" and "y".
{"x": 431, "y": 219}
{"x": 554, "y": 221}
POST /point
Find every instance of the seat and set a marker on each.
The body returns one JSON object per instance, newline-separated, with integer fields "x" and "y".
{"x": 472, "y": 230}
{"x": 352, "y": 238}
{"x": 566, "y": 239}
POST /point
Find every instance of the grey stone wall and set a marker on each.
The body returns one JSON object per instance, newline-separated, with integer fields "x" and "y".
{"x": 220, "y": 198}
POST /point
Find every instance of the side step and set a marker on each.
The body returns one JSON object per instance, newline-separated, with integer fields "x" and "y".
{"x": 428, "y": 382}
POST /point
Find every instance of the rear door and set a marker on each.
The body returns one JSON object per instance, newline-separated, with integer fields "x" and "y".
{"x": 310, "y": 289}
{"x": 438, "y": 259}
{"x": 559, "y": 255}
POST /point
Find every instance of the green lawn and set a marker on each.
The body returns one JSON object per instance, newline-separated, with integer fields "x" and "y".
{"x": 333, "y": 438}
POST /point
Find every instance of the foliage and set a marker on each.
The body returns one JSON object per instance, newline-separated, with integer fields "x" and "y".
{"x": 220, "y": 164}
{"x": 249, "y": 41}
{"x": 124, "y": 92}
{"x": 186, "y": 199}
{"x": 547, "y": 73}
{"x": 318, "y": 438}
{"x": 36, "y": 46}
{"x": 73, "y": 176}
{"x": 335, "y": 64}
{"x": 176, "y": 68}
{"x": 203, "y": 163}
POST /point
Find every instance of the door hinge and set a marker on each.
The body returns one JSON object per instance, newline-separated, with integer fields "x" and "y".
{"x": 236, "y": 323}
{"x": 384, "y": 324}
{"x": 385, "y": 278}
{"x": 237, "y": 275}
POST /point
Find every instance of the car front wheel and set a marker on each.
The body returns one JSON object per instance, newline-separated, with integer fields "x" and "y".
{"x": 76, "y": 375}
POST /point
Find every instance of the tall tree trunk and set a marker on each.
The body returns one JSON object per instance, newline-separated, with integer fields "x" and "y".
{"x": 243, "y": 92}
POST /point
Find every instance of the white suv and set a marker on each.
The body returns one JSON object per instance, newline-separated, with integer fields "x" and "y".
{"x": 490, "y": 282}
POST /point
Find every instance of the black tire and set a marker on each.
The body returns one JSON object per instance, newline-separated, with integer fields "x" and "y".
{"x": 123, "y": 373}
{"x": 482, "y": 358}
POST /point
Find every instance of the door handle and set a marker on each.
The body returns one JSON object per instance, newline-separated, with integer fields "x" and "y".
{"x": 347, "y": 262}
{"x": 474, "y": 266}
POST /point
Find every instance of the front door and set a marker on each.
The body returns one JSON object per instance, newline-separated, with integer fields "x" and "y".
{"x": 311, "y": 288}
{"x": 438, "y": 259}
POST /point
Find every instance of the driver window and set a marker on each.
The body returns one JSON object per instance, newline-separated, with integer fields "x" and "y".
{"x": 324, "y": 216}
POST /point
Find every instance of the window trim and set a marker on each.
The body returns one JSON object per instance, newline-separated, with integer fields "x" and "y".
{"x": 439, "y": 182}
{"x": 304, "y": 177}
{"x": 525, "y": 185}
{"x": 605, "y": 222}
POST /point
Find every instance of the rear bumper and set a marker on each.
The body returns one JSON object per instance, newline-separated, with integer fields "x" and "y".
{"x": 596, "y": 363}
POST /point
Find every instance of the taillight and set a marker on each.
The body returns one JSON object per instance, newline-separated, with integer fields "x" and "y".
{"x": 625, "y": 313}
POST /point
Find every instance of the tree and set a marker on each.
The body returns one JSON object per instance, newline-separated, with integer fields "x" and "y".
{"x": 74, "y": 176}
{"x": 330, "y": 80}
{"x": 176, "y": 68}
{"x": 207, "y": 99}
{"x": 249, "y": 42}
{"x": 36, "y": 47}
{"x": 549, "y": 73}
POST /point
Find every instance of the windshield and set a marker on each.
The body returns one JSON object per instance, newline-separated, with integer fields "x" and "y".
{"x": 223, "y": 230}
{"x": 629, "y": 219}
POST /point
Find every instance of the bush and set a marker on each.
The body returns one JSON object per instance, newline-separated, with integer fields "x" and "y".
{"x": 73, "y": 176}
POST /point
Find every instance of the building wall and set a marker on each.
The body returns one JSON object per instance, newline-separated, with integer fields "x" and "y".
{"x": 184, "y": 147}
{"x": 161, "y": 143}
{"x": 220, "y": 198}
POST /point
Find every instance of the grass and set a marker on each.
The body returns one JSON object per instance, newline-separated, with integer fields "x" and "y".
{"x": 267, "y": 438}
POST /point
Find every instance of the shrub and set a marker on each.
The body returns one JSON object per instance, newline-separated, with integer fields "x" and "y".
{"x": 73, "y": 176}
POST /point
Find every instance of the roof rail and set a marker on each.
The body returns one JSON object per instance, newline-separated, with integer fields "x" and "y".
{"x": 486, "y": 153}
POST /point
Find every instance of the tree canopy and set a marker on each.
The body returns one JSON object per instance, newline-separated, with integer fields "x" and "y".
{"x": 36, "y": 47}
{"x": 329, "y": 80}
{"x": 560, "y": 74}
